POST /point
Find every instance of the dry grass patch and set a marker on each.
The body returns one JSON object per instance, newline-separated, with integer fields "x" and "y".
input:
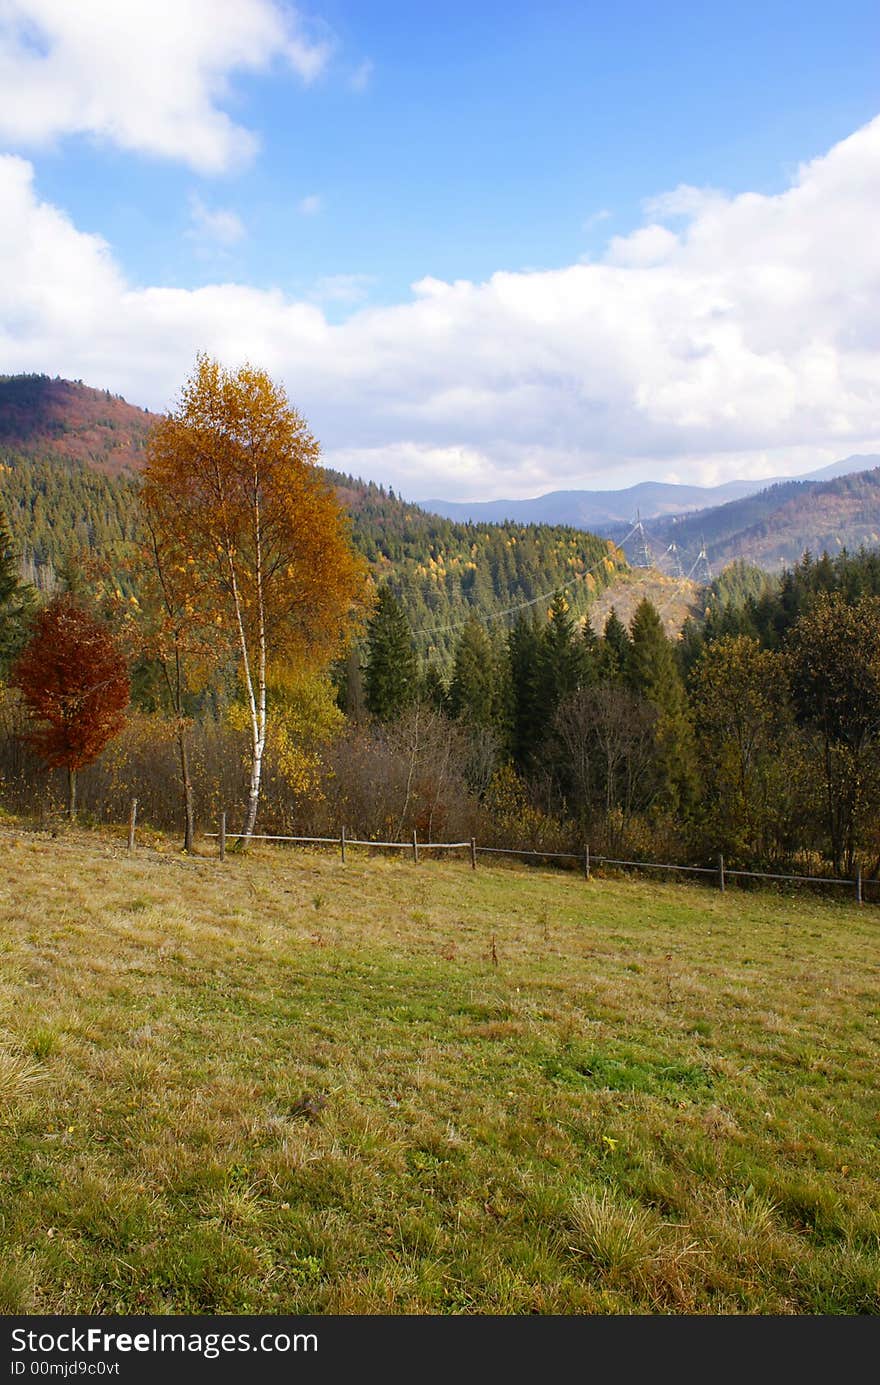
{"x": 285, "y": 1085}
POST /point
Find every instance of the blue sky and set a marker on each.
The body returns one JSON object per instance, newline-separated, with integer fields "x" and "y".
{"x": 306, "y": 168}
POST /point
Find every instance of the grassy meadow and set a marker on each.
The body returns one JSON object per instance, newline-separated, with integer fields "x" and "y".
{"x": 284, "y": 1085}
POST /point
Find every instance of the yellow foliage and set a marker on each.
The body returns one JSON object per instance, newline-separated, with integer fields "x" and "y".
{"x": 305, "y": 718}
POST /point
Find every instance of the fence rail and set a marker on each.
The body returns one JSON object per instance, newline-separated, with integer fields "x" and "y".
{"x": 720, "y": 872}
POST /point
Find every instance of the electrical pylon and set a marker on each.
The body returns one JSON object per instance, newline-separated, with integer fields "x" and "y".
{"x": 641, "y": 547}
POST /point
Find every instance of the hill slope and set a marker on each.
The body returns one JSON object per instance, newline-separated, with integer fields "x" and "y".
{"x": 57, "y": 499}
{"x": 273, "y": 1086}
{"x": 777, "y": 526}
{"x": 68, "y": 421}
{"x": 676, "y": 599}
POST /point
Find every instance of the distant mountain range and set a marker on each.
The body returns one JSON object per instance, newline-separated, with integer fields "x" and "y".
{"x": 597, "y": 510}
{"x": 777, "y": 526}
{"x": 770, "y": 523}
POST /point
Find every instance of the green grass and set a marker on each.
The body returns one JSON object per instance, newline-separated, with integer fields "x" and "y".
{"x": 285, "y": 1085}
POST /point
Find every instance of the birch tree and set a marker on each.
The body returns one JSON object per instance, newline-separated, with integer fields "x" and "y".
{"x": 243, "y": 498}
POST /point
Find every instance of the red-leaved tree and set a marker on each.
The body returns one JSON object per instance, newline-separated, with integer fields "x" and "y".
{"x": 74, "y": 680}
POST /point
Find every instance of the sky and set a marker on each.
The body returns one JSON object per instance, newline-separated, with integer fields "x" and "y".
{"x": 490, "y": 250}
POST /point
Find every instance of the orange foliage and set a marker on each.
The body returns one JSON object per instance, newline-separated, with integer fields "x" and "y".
{"x": 232, "y": 481}
{"x": 252, "y": 532}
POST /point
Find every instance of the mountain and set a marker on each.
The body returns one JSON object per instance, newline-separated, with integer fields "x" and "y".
{"x": 607, "y": 509}
{"x": 69, "y": 421}
{"x": 68, "y": 462}
{"x": 775, "y": 527}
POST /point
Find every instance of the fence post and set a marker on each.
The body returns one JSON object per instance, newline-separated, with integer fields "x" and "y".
{"x": 473, "y": 853}
{"x": 858, "y": 884}
{"x": 586, "y": 861}
{"x": 342, "y": 844}
{"x": 415, "y": 847}
{"x": 132, "y": 820}
{"x": 721, "y": 873}
{"x": 223, "y": 836}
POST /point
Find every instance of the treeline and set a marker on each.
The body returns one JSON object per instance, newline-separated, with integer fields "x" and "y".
{"x": 757, "y": 734}
{"x": 61, "y": 512}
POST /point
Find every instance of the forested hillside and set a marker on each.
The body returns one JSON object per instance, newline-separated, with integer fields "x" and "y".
{"x": 65, "y": 420}
{"x": 472, "y": 699}
{"x": 778, "y": 525}
{"x": 440, "y": 571}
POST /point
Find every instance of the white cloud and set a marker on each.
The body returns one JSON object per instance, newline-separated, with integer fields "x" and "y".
{"x": 747, "y": 343}
{"x": 148, "y": 75}
{"x": 310, "y": 205}
{"x": 220, "y": 226}
{"x": 684, "y": 200}
{"x": 650, "y": 245}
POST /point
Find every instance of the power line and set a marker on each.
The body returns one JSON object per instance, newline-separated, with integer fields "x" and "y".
{"x": 523, "y": 605}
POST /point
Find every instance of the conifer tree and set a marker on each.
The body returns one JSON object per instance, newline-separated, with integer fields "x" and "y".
{"x": 561, "y": 665}
{"x": 391, "y": 677}
{"x": 434, "y": 692}
{"x": 473, "y": 692}
{"x": 526, "y": 725}
{"x": 591, "y": 649}
{"x": 652, "y": 670}
{"x": 16, "y": 600}
{"x": 613, "y": 649}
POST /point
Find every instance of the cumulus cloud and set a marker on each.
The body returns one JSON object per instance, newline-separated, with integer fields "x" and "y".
{"x": 744, "y": 341}
{"x": 147, "y": 75}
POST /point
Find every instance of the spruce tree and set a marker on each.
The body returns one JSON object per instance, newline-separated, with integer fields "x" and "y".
{"x": 613, "y": 649}
{"x": 391, "y": 678}
{"x": 526, "y": 725}
{"x": 473, "y": 692}
{"x": 16, "y": 600}
{"x": 652, "y": 670}
{"x": 434, "y": 692}
{"x": 590, "y": 650}
{"x": 561, "y": 661}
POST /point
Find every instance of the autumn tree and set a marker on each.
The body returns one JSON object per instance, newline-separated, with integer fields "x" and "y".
{"x": 74, "y": 681}
{"x": 169, "y": 625}
{"x": 744, "y": 724}
{"x": 834, "y": 658}
{"x": 245, "y": 500}
{"x": 609, "y": 735}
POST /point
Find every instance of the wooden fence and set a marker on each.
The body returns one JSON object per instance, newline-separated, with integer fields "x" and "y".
{"x": 720, "y": 873}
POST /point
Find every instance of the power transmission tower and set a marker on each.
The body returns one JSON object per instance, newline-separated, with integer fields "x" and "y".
{"x": 641, "y": 548}
{"x": 703, "y": 570}
{"x": 671, "y": 556}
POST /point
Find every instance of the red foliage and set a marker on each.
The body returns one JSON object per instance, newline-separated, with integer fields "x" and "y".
{"x": 74, "y": 680}
{"x": 66, "y": 420}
